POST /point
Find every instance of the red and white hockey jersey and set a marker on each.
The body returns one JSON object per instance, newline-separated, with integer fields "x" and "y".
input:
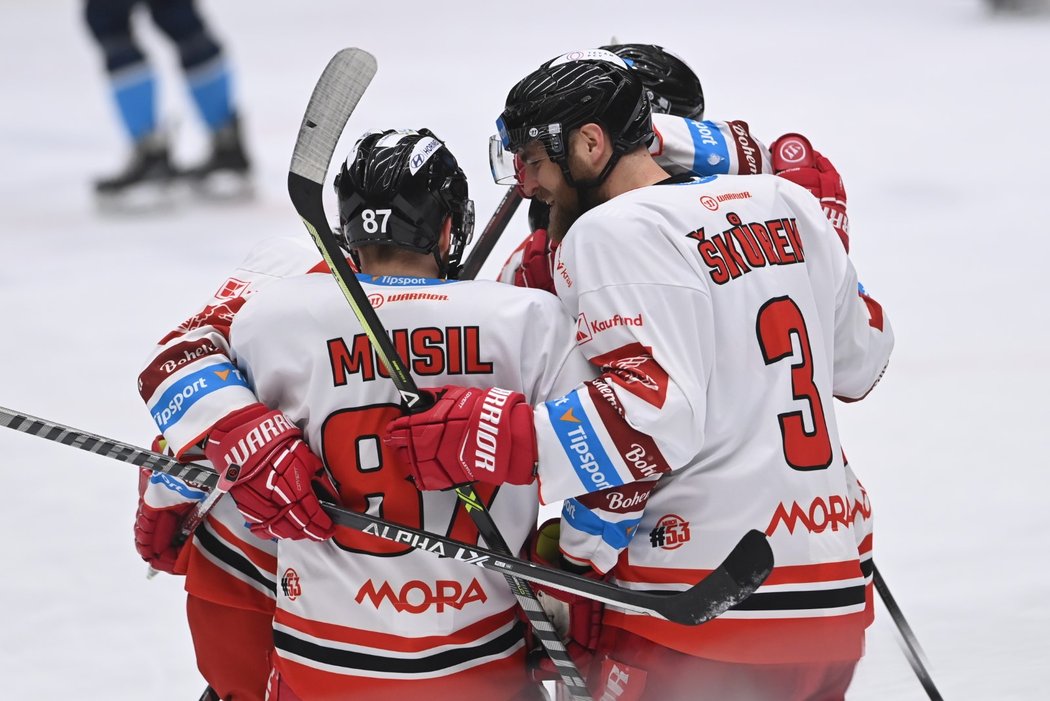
{"x": 358, "y": 617}
{"x": 189, "y": 382}
{"x": 724, "y": 316}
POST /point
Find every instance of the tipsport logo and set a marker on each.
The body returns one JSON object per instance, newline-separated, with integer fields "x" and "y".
{"x": 581, "y": 444}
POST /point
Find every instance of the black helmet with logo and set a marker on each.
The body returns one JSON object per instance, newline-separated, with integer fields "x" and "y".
{"x": 674, "y": 86}
{"x": 397, "y": 187}
{"x": 572, "y": 90}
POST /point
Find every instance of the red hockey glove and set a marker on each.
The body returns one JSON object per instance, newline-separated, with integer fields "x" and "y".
{"x": 537, "y": 263}
{"x": 155, "y": 530}
{"x": 795, "y": 159}
{"x": 278, "y": 472}
{"x": 470, "y": 434}
{"x": 576, "y": 618}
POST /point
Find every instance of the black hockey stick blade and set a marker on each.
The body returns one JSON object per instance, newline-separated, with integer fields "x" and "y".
{"x": 740, "y": 574}
{"x": 479, "y": 253}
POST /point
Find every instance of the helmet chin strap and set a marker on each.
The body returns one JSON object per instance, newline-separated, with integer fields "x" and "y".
{"x": 589, "y": 184}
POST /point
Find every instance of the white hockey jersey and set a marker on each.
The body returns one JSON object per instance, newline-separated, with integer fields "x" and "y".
{"x": 682, "y": 145}
{"x": 357, "y": 617}
{"x": 189, "y": 382}
{"x": 724, "y": 315}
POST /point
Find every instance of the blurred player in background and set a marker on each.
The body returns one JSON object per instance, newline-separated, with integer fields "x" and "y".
{"x": 133, "y": 81}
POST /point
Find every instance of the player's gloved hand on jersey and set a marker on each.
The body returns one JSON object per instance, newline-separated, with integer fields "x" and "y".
{"x": 576, "y": 618}
{"x": 468, "y": 435}
{"x": 795, "y": 159}
{"x": 275, "y": 489}
{"x": 155, "y": 531}
{"x": 156, "y": 525}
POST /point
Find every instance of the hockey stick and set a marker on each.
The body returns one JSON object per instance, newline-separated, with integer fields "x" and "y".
{"x": 734, "y": 580}
{"x": 493, "y": 230}
{"x": 338, "y": 90}
{"x": 912, "y": 651}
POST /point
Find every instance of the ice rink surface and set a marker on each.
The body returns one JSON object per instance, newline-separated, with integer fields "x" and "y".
{"x": 936, "y": 114}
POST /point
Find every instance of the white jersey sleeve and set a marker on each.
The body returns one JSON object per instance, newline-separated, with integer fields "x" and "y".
{"x": 683, "y": 145}
{"x": 189, "y": 381}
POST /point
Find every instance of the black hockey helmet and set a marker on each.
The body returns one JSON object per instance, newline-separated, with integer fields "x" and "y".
{"x": 397, "y": 187}
{"x": 674, "y": 87}
{"x": 564, "y": 94}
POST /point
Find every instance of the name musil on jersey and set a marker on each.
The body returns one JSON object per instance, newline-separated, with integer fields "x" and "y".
{"x": 741, "y": 248}
{"x": 431, "y": 350}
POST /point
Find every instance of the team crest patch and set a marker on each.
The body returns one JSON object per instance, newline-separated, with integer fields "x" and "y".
{"x": 291, "y": 586}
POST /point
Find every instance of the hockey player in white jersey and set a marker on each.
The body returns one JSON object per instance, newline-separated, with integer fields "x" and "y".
{"x": 190, "y": 385}
{"x": 684, "y": 143}
{"x": 357, "y": 617}
{"x": 723, "y": 314}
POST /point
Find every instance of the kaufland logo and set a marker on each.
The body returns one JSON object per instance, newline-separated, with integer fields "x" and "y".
{"x": 617, "y": 320}
{"x": 583, "y": 333}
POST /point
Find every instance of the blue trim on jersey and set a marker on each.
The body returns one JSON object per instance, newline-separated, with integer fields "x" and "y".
{"x": 191, "y": 388}
{"x": 708, "y": 145}
{"x": 177, "y": 486}
{"x": 578, "y": 439}
{"x": 400, "y": 280}
{"x": 616, "y": 534}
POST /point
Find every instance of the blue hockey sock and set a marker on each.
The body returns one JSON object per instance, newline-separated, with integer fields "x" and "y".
{"x": 210, "y": 87}
{"x": 135, "y": 94}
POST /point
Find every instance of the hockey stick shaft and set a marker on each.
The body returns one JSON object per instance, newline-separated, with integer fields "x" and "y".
{"x": 490, "y": 236}
{"x": 340, "y": 87}
{"x": 912, "y": 650}
{"x": 679, "y": 606}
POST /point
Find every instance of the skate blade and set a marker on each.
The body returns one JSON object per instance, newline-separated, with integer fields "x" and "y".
{"x": 224, "y": 186}
{"x": 142, "y": 198}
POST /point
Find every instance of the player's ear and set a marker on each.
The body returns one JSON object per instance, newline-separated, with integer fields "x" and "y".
{"x": 591, "y": 143}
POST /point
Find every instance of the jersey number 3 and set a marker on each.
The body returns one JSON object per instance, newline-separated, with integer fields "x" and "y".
{"x": 779, "y": 321}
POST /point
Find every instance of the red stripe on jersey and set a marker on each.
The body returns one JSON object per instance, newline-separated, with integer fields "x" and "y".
{"x": 786, "y": 574}
{"x": 865, "y": 545}
{"x": 208, "y": 581}
{"x": 875, "y": 320}
{"x": 498, "y": 680}
{"x": 260, "y": 558}
{"x": 755, "y": 641}
{"x": 388, "y": 641}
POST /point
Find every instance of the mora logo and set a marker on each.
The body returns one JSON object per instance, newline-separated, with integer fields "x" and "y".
{"x": 290, "y": 584}
{"x": 417, "y": 596}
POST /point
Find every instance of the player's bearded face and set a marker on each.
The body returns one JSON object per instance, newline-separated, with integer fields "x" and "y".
{"x": 567, "y": 202}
